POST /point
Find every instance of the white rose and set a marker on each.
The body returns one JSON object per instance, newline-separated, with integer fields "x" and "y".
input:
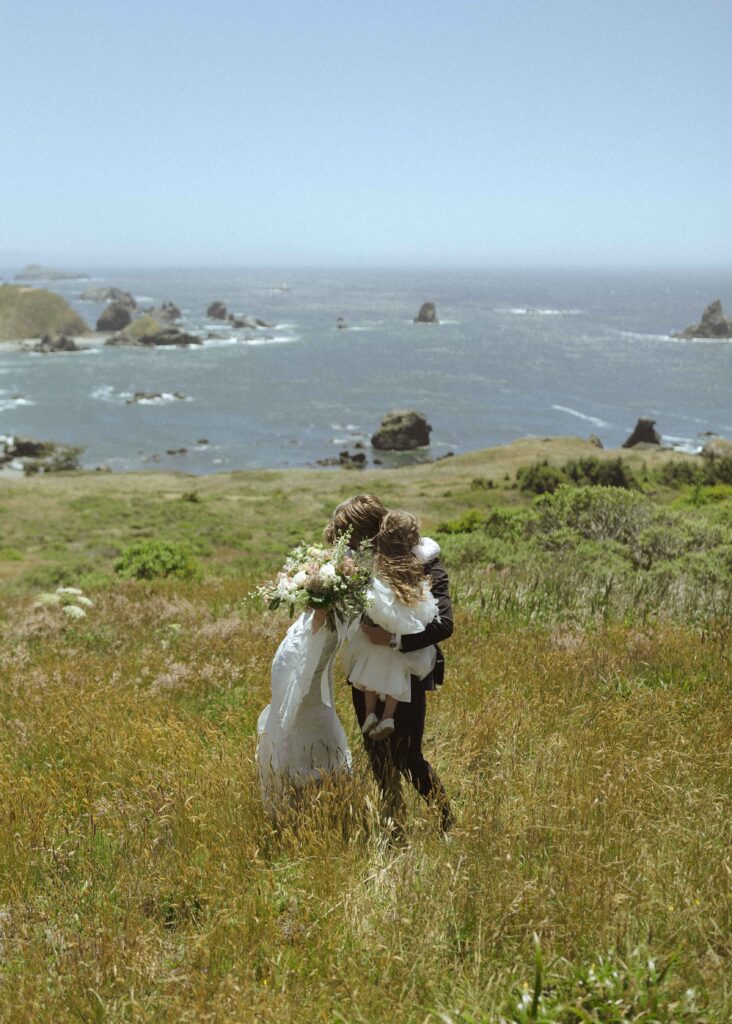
{"x": 327, "y": 571}
{"x": 299, "y": 578}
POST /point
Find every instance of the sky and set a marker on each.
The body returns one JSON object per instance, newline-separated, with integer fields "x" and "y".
{"x": 366, "y": 132}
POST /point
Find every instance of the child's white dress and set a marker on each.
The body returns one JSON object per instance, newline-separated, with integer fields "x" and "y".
{"x": 383, "y": 669}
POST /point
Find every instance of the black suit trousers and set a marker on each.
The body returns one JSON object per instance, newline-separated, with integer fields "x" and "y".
{"x": 401, "y": 753}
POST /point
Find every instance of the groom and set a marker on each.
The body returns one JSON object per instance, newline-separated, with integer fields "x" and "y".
{"x": 402, "y": 753}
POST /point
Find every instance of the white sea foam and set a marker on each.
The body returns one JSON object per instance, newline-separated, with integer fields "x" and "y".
{"x": 106, "y": 393}
{"x": 581, "y": 416}
{"x": 14, "y": 403}
{"x": 692, "y": 446}
{"x": 536, "y": 311}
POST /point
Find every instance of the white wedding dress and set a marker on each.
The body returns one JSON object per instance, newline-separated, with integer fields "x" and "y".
{"x": 300, "y": 737}
{"x": 382, "y": 669}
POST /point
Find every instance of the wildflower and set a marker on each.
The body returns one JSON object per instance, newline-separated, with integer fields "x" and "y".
{"x": 47, "y": 599}
{"x": 74, "y": 612}
{"x": 69, "y": 590}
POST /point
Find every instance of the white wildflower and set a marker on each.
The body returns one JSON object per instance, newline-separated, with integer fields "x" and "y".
{"x": 85, "y": 601}
{"x": 69, "y": 590}
{"x": 74, "y": 612}
{"x": 46, "y": 599}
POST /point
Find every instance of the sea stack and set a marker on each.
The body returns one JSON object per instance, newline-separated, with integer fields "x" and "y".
{"x": 402, "y": 431}
{"x": 644, "y": 435}
{"x": 427, "y": 314}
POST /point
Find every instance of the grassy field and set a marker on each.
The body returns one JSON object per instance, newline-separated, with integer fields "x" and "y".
{"x": 584, "y": 734}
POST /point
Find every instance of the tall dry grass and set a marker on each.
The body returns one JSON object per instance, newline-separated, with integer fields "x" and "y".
{"x": 140, "y": 879}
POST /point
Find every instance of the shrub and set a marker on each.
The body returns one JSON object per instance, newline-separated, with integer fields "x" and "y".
{"x": 596, "y": 513}
{"x": 718, "y": 471}
{"x": 594, "y": 472}
{"x": 540, "y": 478}
{"x": 679, "y": 474}
{"x": 152, "y": 559}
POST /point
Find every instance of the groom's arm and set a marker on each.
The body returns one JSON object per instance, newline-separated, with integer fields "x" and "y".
{"x": 441, "y": 628}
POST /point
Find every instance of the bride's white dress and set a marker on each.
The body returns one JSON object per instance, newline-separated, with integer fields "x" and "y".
{"x": 300, "y": 737}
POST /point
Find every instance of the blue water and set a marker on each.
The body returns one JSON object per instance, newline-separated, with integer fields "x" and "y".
{"x": 517, "y": 353}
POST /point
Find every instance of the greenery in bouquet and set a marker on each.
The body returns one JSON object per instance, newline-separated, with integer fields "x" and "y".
{"x": 315, "y": 576}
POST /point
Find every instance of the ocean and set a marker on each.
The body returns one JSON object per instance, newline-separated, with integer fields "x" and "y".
{"x": 516, "y": 354}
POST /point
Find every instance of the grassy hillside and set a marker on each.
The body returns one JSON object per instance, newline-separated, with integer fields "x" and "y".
{"x": 30, "y": 312}
{"x": 583, "y": 732}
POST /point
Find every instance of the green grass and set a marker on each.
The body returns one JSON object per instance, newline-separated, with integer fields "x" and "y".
{"x": 587, "y": 753}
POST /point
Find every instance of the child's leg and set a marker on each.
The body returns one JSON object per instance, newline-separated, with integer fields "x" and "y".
{"x": 369, "y": 699}
{"x": 390, "y": 706}
{"x": 386, "y": 726}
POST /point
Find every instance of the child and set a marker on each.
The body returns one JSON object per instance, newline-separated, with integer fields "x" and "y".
{"x": 401, "y": 602}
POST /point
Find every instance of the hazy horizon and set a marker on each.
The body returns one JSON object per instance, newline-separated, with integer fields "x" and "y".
{"x": 274, "y": 134}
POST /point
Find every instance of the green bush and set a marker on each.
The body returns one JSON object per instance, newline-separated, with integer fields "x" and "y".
{"x": 540, "y": 478}
{"x": 594, "y": 472}
{"x": 597, "y": 513}
{"x": 152, "y": 559}
{"x": 718, "y": 471}
{"x": 680, "y": 474}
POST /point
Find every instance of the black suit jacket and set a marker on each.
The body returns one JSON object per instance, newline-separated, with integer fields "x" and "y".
{"x": 436, "y": 631}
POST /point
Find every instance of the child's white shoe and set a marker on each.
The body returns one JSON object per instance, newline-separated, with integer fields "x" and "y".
{"x": 383, "y": 730}
{"x": 368, "y": 725}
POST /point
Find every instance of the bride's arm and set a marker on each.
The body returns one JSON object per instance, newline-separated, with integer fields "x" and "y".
{"x": 318, "y": 619}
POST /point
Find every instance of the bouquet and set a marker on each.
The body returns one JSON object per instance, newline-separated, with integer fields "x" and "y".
{"x": 314, "y": 576}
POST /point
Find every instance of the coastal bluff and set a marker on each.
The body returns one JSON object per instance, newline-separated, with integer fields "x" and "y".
{"x": 27, "y": 312}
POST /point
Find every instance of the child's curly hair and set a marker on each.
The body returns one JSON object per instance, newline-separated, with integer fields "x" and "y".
{"x": 394, "y": 560}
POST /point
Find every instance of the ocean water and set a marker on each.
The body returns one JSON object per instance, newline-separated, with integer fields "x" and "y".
{"x": 516, "y": 353}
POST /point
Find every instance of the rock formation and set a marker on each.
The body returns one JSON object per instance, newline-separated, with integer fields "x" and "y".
{"x": 168, "y": 311}
{"x": 32, "y": 312}
{"x": 109, "y": 295}
{"x": 217, "y": 311}
{"x": 717, "y": 448}
{"x": 114, "y": 318}
{"x": 36, "y": 272}
{"x": 644, "y": 435}
{"x": 713, "y": 324}
{"x": 427, "y": 314}
{"x": 149, "y": 332}
{"x": 56, "y": 343}
{"x": 402, "y": 430}
{"x": 594, "y": 439}
{"x": 251, "y": 323}
{"x": 38, "y": 456}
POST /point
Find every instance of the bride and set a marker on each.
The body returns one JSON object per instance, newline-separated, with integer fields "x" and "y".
{"x": 300, "y": 737}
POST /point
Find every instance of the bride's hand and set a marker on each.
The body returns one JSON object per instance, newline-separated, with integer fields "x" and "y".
{"x": 318, "y": 619}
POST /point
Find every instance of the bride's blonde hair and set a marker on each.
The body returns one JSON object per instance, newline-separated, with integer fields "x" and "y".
{"x": 394, "y": 560}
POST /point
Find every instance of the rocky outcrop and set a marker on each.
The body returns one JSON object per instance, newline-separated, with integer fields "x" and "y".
{"x": 644, "y": 435}
{"x": 109, "y": 295}
{"x": 168, "y": 312}
{"x": 251, "y": 323}
{"x": 427, "y": 314}
{"x": 37, "y": 272}
{"x": 713, "y": 324}
{"x": 114, "y": 318}
{"x": 32, "y": 312}
{"x": 402, "y": 430}
{"x": 155, "y": 396}
{"x": 717, "y": 448}
{"x": 149, "y": 332}
{"x": 594, "y": 439}
{"x": 217, "y": 311}
{"x": 56, "y": 343}
{"x": 31, "y": 456}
